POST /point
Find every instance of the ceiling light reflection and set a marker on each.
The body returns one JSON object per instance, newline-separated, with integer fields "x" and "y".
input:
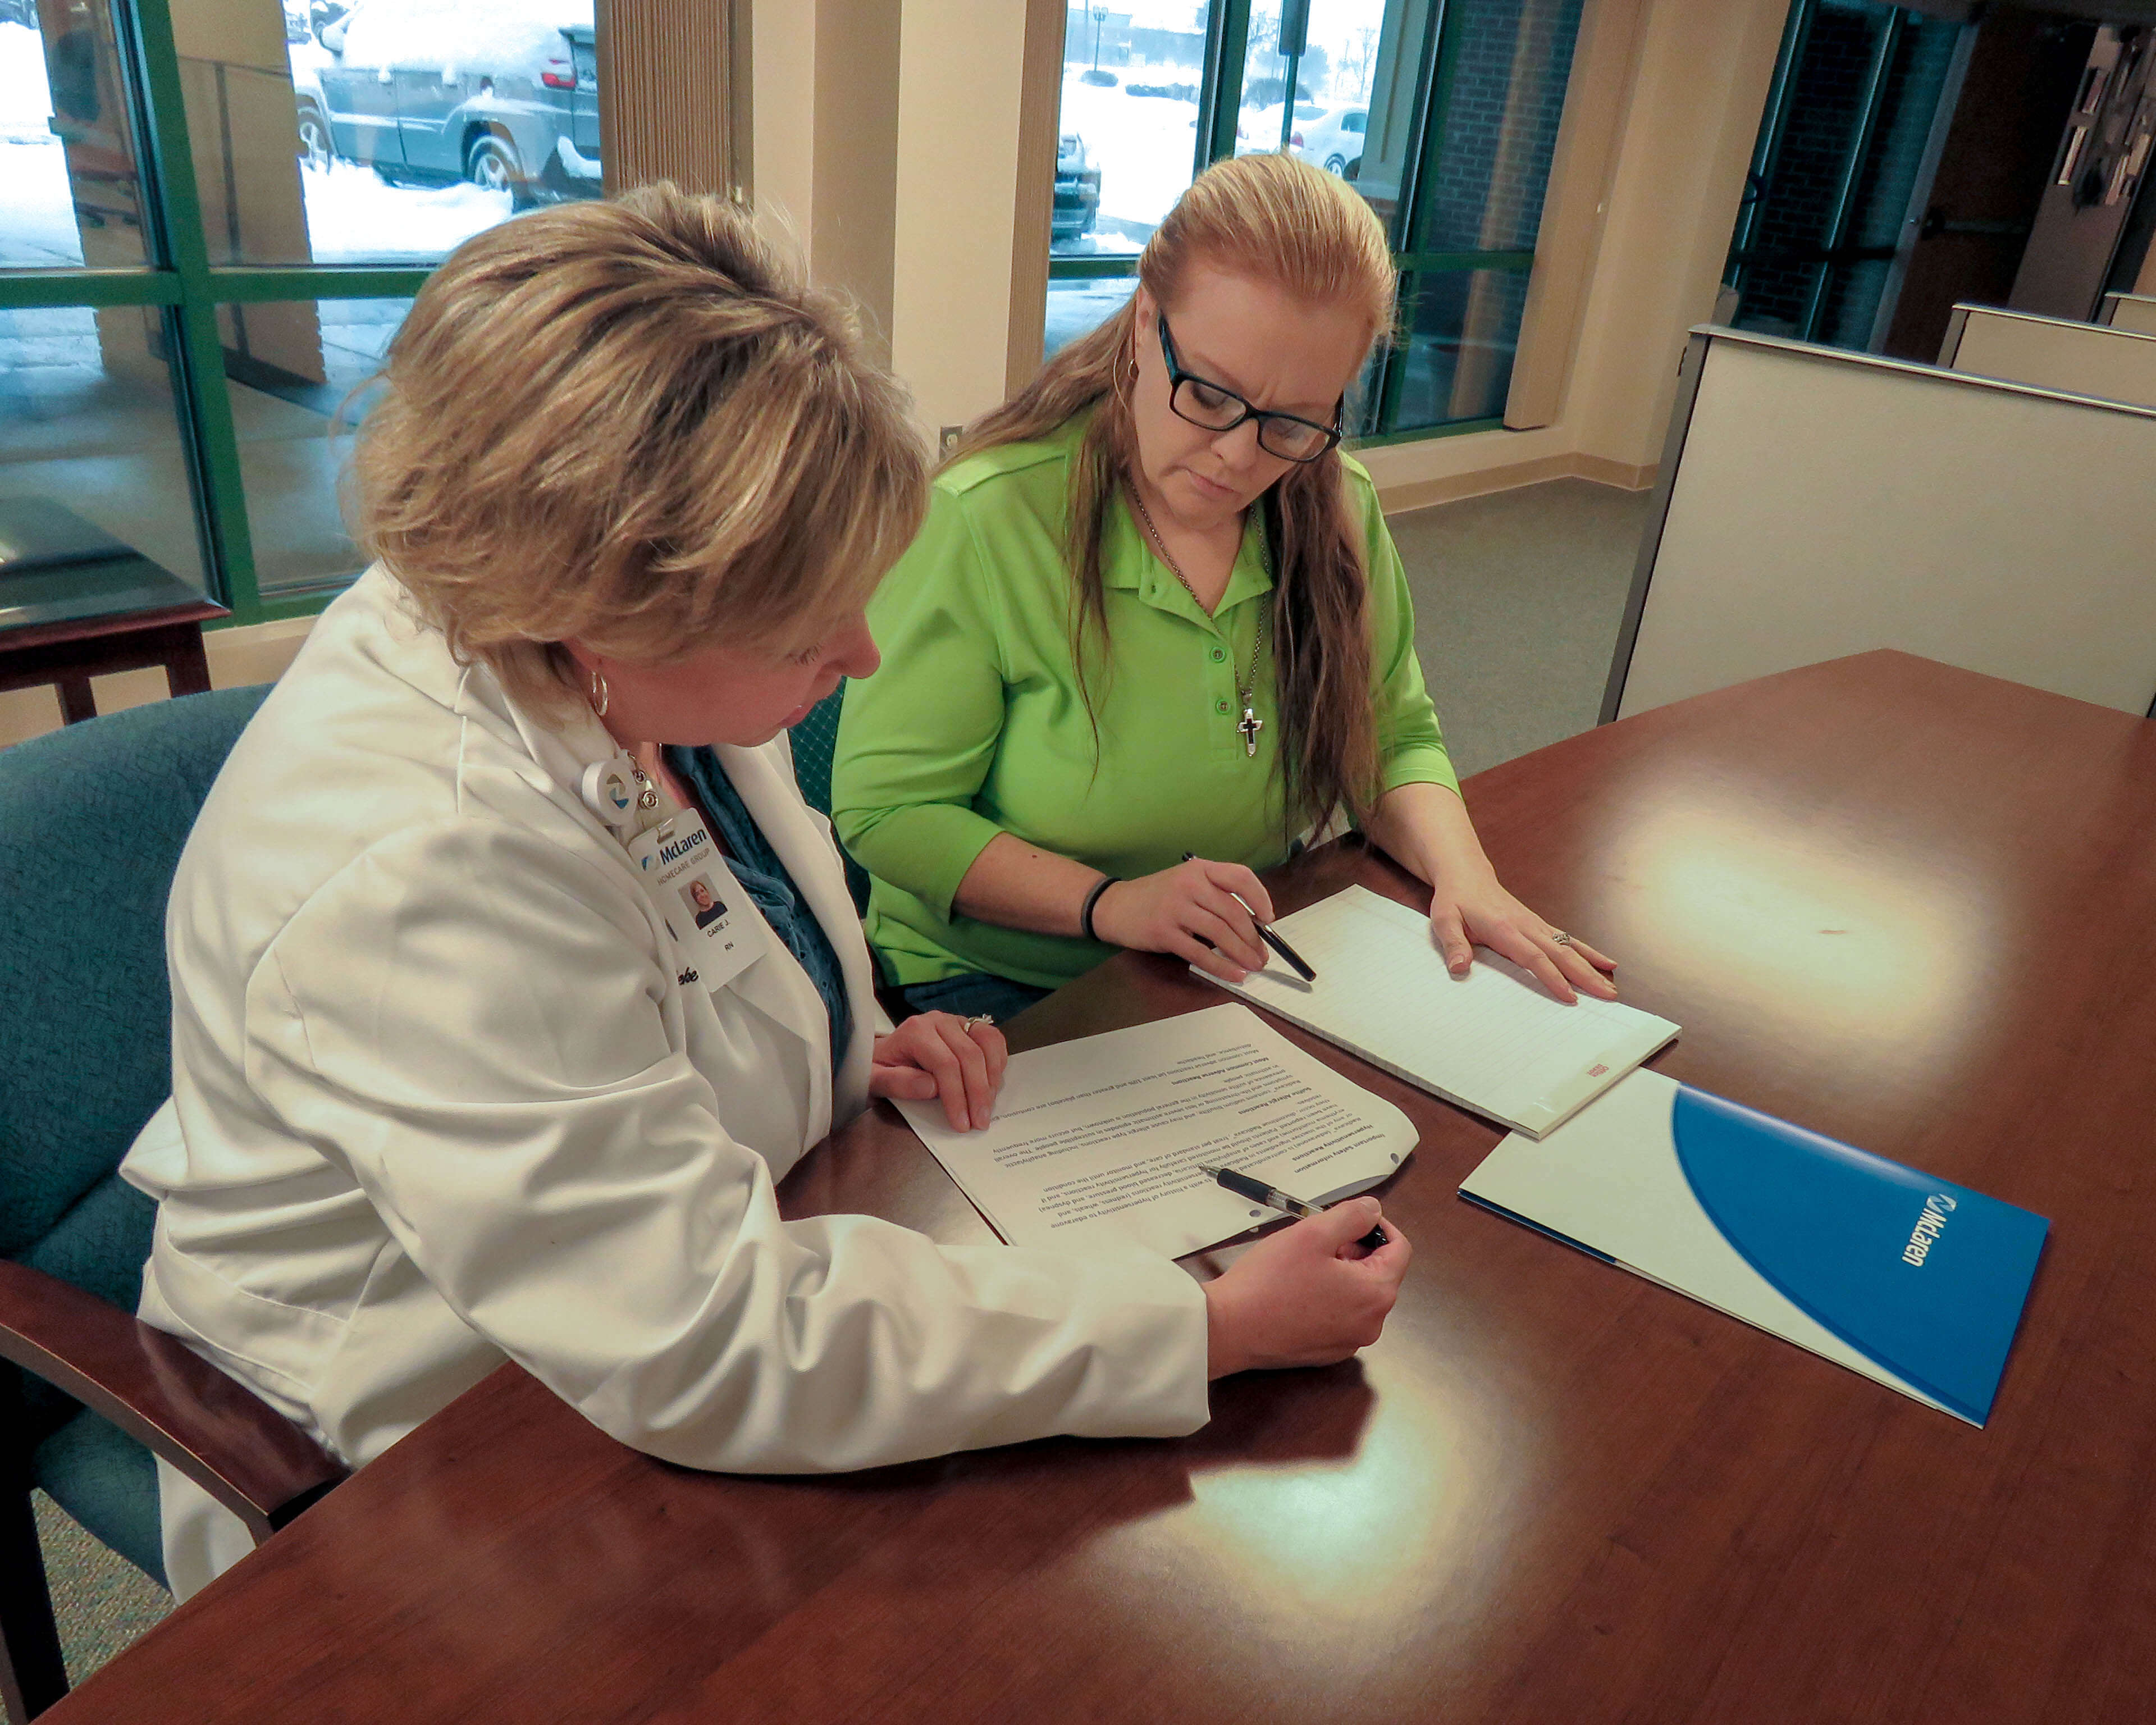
{"x": 1862, "y": 950}
{"x": 1418, "y": 1517}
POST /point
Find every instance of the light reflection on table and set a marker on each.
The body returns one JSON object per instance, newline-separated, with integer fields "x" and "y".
{"x": 1871, "y": 957}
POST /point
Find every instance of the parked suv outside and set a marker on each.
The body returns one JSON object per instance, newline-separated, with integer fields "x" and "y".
{"x": 1077, "y": 190}
{"x": 502, "y": 93}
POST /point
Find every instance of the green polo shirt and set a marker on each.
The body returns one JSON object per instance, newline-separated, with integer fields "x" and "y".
{"x": 976, "y": 725}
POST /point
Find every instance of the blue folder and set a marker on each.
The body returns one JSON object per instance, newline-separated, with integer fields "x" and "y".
{"x": 1908, "y": 1278}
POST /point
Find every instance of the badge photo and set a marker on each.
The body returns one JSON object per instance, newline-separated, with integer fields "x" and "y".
{"x": 702, "y": 898}
{"x": 718, "y": 928}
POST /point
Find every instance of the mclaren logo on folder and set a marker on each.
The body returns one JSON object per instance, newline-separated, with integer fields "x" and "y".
{"x": 1931, "y": 1223}
{"x": 1807, "y": 1238}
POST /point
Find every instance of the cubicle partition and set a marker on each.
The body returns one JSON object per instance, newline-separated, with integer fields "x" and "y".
{"x": 2052, "y": 353}
{"x": 1814, "y": 503}
{"x": 2129, "y": 311}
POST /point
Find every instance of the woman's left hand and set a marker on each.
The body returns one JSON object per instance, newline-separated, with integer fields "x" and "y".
{"x": 939, "y": 1054}
{"x": 1478, "y": 911}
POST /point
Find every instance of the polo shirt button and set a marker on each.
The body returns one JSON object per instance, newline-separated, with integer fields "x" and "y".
{"x": 1218, "y": 655}
{"x": 1219, "y": 706}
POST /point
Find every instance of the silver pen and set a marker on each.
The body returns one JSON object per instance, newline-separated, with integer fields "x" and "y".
{"x": 1256, "y": 1190}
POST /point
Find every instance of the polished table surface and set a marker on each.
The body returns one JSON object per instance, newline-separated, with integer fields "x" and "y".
{"x": 1908, "y": 906}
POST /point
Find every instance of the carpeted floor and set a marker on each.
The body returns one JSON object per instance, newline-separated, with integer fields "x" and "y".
{"x": 101, "y": 1601}
{"x": 1517, "y": 597}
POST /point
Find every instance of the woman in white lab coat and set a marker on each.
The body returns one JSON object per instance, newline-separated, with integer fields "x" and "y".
{"x": 457, "y": 1075}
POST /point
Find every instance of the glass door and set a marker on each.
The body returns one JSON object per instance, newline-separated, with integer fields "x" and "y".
{"x": 1845, "y": 153}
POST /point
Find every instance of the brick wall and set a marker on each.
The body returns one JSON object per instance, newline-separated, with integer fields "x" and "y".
{"x": 1825, "y": 108}
{"x": 1511, "y": 59}
{"x": 1509, "y": 62}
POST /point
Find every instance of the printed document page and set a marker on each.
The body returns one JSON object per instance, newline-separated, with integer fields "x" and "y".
{"x": 1101, "y": 1138}
{"x": 1494, "y": 1041}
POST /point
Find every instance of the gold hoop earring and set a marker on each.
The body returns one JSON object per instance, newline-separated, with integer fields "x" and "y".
{"x": 600, "y": 694}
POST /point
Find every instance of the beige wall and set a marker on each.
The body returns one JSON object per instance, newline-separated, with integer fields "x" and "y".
{"x": 824, "y": 128}
{"x": 1697, "y": 98}
{"x": 857, "y": 132}
{"x": 960, "y": 66}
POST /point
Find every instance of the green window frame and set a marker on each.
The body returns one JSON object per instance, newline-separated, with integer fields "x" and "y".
{"x": 1227, "y": 45}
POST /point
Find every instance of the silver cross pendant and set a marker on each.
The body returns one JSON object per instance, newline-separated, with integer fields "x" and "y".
{"x": 1250, "y": 727}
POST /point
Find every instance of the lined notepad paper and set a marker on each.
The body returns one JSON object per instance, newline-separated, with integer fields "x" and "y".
{"x": 1493, "y": 1041}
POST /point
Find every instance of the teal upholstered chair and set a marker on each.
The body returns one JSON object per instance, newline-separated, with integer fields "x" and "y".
{"x": 815, "y": 740}
{"x": 92, "y": 818}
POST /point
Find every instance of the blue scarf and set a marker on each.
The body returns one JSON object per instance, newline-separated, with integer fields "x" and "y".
{"x": 764, "y": 878}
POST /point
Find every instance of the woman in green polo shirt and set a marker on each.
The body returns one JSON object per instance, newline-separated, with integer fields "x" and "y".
{"x": 1155, "y": 611}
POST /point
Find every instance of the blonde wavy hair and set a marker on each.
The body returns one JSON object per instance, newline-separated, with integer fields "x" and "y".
{"x": 633, "y": 424}
{"x": 1277, "y": 220}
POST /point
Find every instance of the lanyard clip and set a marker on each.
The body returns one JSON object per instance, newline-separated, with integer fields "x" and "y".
{"x": 610, "y": 793}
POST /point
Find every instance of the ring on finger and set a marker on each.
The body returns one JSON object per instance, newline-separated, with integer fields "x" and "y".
{"x": 977, "y": 1018}
{"x": 1560, "y": 937}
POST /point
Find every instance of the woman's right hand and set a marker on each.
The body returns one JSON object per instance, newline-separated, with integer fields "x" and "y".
{"x": 1189, "y": 910}
{"x": 1305, "y": 1296}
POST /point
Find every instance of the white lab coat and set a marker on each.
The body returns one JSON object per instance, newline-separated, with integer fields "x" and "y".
{"x": 442, "y": 1096}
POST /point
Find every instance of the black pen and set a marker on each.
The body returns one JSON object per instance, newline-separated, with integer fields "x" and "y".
{"x": 1243, "y": 1186}
{"x": 1266, "y": 934}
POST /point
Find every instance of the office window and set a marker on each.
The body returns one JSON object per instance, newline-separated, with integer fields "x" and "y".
{"x": 1454, "y": 360}
{"x": 92, "y": 437}
{"x": 1444, "y": 116}
{"x": 1127, "y": 146}
{"x": 213, "y": 215}
{"x": 418, "y": 122}
{"x": 71, "y": 194}
{"x": 292, "y": 368}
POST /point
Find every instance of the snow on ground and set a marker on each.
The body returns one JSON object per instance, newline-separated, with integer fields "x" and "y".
{"x": 37, "y": 209}
{"x": 353, "y": 218}
{"x": 1143, "y": 145}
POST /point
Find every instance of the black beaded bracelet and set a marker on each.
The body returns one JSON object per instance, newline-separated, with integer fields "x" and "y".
{"x": 1092, "y": 898}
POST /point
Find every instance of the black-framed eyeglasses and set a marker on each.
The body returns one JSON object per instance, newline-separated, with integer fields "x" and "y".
{"x": 1217, "y": 408}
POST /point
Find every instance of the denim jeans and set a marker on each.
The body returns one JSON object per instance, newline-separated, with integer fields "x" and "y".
{"x": 971, "y": 993}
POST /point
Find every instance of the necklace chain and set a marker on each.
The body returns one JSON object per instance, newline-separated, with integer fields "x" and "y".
{"x": 1251, "y": 723}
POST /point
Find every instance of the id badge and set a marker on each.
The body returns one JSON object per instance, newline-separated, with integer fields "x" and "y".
{"x": 707, "y": 912}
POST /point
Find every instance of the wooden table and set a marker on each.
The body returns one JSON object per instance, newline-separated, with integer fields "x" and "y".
{"x": 1907, "y": 906}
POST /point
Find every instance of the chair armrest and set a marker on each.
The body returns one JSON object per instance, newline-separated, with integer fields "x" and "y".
{"x": 214, "y": 1429}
